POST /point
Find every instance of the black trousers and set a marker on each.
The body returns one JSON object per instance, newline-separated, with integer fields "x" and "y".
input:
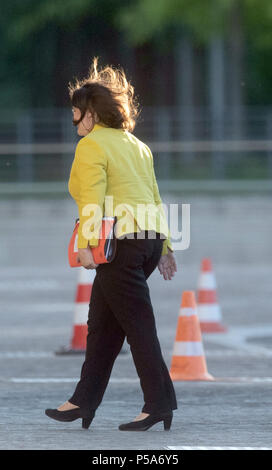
{"x": 120, "y": 307}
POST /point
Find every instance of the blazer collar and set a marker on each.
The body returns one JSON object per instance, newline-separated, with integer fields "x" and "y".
{"x": 98, "y": 126}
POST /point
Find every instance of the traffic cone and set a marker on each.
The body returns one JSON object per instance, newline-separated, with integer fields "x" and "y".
{"x": 208, "y": 309}
{"x": 188, "y": 361}
{"x": 80, "y": 328}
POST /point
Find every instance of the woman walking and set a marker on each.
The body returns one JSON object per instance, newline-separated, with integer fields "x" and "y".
{"x": 112, "y": 165}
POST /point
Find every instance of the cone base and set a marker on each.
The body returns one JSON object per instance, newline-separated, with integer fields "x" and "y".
{"x": 68, "y": 350}
{"x": 212, "y": 327}
{"x": 182, "y": 377}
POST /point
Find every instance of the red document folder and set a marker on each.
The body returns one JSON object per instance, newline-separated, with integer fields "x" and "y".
{"x": 104, "y": 252}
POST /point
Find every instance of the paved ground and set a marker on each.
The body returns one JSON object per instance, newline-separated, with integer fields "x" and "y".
{"x": 37, "y": 291}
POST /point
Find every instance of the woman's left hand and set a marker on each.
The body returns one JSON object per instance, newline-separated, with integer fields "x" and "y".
{"x": 167, "y": 265}
{"x": 85, "y": 257}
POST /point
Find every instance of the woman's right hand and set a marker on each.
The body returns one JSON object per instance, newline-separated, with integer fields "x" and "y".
{"x": 167, "y": 265}
{"x": 85, "y": 257}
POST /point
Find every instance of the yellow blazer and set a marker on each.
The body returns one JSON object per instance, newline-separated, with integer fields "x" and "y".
{"x": 113, "y": 174}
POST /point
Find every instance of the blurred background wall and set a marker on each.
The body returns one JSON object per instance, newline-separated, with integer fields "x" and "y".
{"x": 201, "y": 69}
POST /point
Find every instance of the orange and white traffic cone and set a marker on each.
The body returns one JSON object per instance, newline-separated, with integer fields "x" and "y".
{"x": 208, "y": 309}
{"x": 80, "y": 328}
{"x": 188, "y": 361}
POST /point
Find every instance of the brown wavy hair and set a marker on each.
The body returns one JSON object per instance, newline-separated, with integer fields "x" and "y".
{"x": 109, "y": 94}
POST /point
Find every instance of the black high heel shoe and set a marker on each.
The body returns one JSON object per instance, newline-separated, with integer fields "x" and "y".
{"x": 146, "y": 423}
{"x": 70, "y": 415}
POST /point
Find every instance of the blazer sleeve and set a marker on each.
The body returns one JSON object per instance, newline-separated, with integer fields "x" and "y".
{"x": 157, "y": 198}
{"x": 92, "y": 179}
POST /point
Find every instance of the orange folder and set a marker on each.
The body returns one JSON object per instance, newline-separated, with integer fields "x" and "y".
{"x": 104, "y": 252}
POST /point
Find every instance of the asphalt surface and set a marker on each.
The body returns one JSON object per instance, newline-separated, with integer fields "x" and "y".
{"x": 37, "y": 301}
